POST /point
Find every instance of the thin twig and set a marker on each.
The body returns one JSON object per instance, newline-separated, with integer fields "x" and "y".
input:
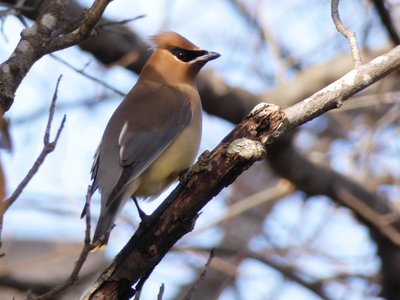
{"x": 47, "y": 148}
{"x": 122, "y": 22}
{"x": 275, "y": 261}
{"x": 82, "y": 72}
{"x": 267, "y": 37}
{"x": 161, "y": 292}
{"x": 190, "y": 293}
{"x": 349, "y": 35}
{"x": 87, "y": 247}
{"x": 85, "y": 103}
{"x": 140, "y": 284}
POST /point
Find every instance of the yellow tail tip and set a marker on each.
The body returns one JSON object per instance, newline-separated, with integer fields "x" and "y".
{"x": 101, "y": 247}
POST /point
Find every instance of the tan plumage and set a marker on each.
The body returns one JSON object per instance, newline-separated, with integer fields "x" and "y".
{"x": 155, "y": 132}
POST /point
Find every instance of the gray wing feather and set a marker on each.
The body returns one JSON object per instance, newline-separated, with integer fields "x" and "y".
{"x": 153, "y": 117}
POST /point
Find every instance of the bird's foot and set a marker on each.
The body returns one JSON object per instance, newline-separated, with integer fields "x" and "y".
{"x": 145, "y": 219}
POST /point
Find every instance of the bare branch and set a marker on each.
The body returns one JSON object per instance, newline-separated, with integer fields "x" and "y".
{"x": 342, "y": 89}
{"x": 266, "y": 35}
{"x": 42, "y": 38}
{"x": 349, "y": 35}
{"x": 23, "y": 285}
{"x": 190, "y": 293}
{"x": 384, "y": 223}
{"x": 368, "y": 207}
{"x": 137, "y": 295}
{"x": 291, "y": 273}
{"x": 161, "y": 292}
{"x": 48, "y": 147}
{"x": 277, "y": 263}
{"x": 82, "y": 72}
{"x": 74, "y": 276}
{"x": 122, "y": 22}
{"x": 87, "y": 102}
{"x": 386, "y": 20}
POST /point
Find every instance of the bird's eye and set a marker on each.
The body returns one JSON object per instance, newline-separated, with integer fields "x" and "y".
{"x": 186, "y": 55}
{"x": 180, "y": 54}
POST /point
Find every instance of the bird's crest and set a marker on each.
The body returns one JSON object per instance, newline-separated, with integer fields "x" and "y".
{"x": 169, "y": 39}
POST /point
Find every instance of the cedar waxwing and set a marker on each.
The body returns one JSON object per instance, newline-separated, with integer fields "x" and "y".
{"x": 155, "y": 132}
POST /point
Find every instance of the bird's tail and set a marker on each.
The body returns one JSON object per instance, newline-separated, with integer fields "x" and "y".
{"x": 102, "y": 232}
{"x": 104, "y": 225}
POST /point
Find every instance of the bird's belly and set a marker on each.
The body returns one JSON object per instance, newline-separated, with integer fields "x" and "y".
{"x": 177, "y": 157}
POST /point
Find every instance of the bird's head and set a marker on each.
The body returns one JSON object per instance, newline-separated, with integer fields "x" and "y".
{"x": 175, "y": 59}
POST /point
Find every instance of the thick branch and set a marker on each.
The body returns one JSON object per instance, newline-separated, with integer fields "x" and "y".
{"x": 43, "y": 38}
{"x": 108, "y": 46}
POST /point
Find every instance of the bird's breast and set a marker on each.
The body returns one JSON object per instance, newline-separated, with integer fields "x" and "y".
{"x": 178, "y": 156}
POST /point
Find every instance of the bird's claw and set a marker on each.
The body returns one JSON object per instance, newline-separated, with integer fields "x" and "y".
{"x": 145, "y": 218}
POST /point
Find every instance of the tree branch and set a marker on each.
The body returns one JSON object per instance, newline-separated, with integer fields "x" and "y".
{"x": 74, "y": 276}
{"x": 386, "y": 20}
{"x": 342, "y": 89}
{"x": 349, "y": 35}
{"x": 42, "y": 38}
{"x": 192, "y": 290}
{"x": 47, "y": 149}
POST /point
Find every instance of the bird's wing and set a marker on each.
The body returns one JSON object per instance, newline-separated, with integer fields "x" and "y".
{"x": 95, "y": 167}
{"x": 161, "y": 114}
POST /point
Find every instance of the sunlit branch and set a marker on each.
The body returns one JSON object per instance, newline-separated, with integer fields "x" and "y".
{"x": 349, "y": 35}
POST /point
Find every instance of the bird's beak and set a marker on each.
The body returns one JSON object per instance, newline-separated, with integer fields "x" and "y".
{"x": 207, "y": 56}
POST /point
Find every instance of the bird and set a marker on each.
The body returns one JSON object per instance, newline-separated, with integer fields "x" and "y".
{"x": 154, "y": 134}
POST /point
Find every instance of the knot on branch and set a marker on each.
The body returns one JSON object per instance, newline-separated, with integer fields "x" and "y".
{"x": 247, "y": 149}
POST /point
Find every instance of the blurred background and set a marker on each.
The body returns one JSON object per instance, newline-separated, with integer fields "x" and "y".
{"x": 318, "y": 219}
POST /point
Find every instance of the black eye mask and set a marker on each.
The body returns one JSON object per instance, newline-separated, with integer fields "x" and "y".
{"x": 187, "y": 55}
